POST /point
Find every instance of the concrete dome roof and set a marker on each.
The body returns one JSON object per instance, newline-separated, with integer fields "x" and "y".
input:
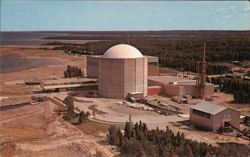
{"x": 122, "y": 51}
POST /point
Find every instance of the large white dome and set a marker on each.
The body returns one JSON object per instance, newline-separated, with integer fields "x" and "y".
{"x": 122, "y": 51}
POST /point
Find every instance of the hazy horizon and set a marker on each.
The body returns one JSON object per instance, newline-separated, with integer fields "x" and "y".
{"x": 33, "y": 15}
{"x": 116, "y": 30}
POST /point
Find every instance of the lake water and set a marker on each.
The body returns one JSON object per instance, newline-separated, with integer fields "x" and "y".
{"x": 26, "y": 38}
{"x": 36, "y": 38}
{"x": 14, "y": 62}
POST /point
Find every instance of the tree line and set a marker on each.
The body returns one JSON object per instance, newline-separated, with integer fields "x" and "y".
{"x": 82, "y": 116}
{"x": 138, "y": 141}
{"x": 73, "y": 71}
{"x": 238, "y": 87}
{"x": 180, "y": 52}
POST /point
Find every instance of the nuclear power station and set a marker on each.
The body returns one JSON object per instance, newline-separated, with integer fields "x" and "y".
{"x": 122, "y": 70}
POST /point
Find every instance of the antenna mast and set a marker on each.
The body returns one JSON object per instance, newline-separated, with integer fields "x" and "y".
{"x": 128, "y": 38}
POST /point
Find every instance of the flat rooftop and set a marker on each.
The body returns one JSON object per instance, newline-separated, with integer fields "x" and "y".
{"x": 97, "y": 56}
{"x": 208, "y": 107}
{"x": 152, "y": 59}
{"x": 64, "y": 80}
{"x": 169, "y": 79}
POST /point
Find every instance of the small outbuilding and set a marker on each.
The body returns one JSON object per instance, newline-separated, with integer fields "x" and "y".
{"x": 211, "y": 117}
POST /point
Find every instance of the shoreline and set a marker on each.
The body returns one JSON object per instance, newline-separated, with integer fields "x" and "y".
{"x": 14, "y": 62}
{"x": 42, "y": 63}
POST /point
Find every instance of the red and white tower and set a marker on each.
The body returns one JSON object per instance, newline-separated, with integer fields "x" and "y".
{"x": 201, "y": 75}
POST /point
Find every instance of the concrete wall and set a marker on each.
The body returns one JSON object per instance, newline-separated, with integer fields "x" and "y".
{"x": 154, "y": 90}
{"x": 209, "y": 90}
{"x": 153, "y": 65}
{"x": 110, "y": 78}
{"x": 156, "y": 83}
{"x": 129, "y": 76}
{"x": 176, "y": 90}
{"x": 172, "y": 90}
{"x": 145, "y": 77}
{"x": 217, "y": 120}
{"x": 118, "y": 77}
{"x": 189, "y": 90}
{"x": 153, "y": 70}
{"x": 226, "y": 115}
{"x": 201, "y": 121}
{"x": 181, "y": 90}
{"x": 92, "y": 66}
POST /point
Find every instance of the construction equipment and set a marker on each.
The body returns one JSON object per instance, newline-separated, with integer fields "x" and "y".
{"x": 239, "y": 132}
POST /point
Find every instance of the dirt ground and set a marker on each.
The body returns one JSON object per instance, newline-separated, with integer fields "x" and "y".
{"x": 226, "y": 100}
{"x": 12, "y": 83}
{"x": 111, "y": 112}
{"x": 36, "y": 130}
{"x": 44, "y": 72}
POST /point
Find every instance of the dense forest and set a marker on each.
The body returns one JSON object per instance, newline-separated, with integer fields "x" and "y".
{"x": 139, "y": 141}
{"x": 238, "y": 87}
{"x": 178, "y": 50}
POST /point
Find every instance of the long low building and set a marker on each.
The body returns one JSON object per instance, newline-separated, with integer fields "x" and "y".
{"x": 178, "y": 86}
{"x": 211, "y": 117}
{"x": 67, "y": 83}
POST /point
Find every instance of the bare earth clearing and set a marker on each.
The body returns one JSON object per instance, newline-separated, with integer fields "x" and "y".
{"x": 114, "y": 113}
{"x": 37, "y": 130}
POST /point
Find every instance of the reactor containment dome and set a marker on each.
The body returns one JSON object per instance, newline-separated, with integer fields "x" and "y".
{"x": 122, "y": 51}
{"x": 122, "y": 70}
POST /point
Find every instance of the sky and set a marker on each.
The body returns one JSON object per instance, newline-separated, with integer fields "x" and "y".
{"x": 31, "y": 15}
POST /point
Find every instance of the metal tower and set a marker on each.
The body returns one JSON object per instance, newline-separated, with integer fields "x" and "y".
{"x": 201, "y": 75}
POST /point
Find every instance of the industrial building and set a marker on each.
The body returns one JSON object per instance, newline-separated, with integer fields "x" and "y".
{"x": 211, "y": 117}
{"x": 92, "y": 65}
{"x": 67, "y": 83}
{"x": 178, "y": 86}
{"x": 154, "y": 90}
{"x": 121, "y": 70}
{"x": 153, "y": 65}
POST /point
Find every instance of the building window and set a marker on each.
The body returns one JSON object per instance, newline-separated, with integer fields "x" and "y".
{"x": 202, "y": 114}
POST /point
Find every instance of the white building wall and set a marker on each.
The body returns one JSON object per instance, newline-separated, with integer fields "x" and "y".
{"x": 145, "y": 77}
{"x": 118, "y": 77}
{"x": 92, "y": 66}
